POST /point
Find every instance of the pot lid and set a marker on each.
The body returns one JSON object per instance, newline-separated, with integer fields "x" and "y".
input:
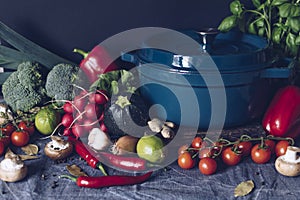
{"x": 231, "y": 51}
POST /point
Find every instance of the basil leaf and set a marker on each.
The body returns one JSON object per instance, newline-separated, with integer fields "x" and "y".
{"x": 294, "y": 23}
{"x": 291, "y": 43}
{"x": 279, "y": 2}
{"x": 236, "y": 7}
{"x": 256, "y": 3}
{"x": 285, "y": 10}
{"x": 260, "y": 22}
{"x": 228, "y": 23}
{"x": 295, "y": 11}
{"x": 252, "y": 29}
{"x": 276, "y": 35}
{"x": 261, "y": 32}
{"x": 297, "y": 41}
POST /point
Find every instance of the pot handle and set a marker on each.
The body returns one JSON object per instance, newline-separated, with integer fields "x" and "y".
{"x": 127, "y": 57}
{"x": 283, "y": 72}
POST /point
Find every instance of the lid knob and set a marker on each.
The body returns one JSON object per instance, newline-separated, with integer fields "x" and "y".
{"x": 207, "y": 36}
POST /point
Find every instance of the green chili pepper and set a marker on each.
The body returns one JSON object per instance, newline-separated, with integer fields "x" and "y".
{"x": 228, "y": 23}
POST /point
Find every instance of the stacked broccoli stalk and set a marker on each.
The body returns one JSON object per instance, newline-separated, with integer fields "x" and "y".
{"x": 31, "y": 85}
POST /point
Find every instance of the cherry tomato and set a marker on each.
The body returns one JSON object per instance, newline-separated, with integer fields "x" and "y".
{"x": 260, "y": 155}
{"x": 230, "y": 157}
{"x": 8, "y": 129}
{"x": 20, "y": 138}
{"x": 207, "y": 166}
{"x": 206, "y": 152}
{"x": 281, "y": 147}
{"x": 196, "y": 143}
{"x": 245, "y": 147}
{"x": 27, "y": 126}
{"x": 183, "y": 149}
{"x": 271, "y": 144}
{"x": 2, "y": 148}
{"x": 185, "y": 161}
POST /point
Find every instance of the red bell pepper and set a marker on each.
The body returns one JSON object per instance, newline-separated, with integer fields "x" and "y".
{"x": 282, "y": 118}
{"x": 96, "y": 62}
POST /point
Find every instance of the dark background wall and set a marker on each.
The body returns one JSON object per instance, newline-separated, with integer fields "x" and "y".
{"x": 62, "y": 25}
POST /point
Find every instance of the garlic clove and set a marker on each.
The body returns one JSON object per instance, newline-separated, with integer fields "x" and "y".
{"x": 98, "y": 139}
{"x": 155, "y": 125}
{"x": 167, "y": 132}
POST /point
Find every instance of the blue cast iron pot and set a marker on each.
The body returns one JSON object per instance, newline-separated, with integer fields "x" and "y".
{"x": 179, "y": 91}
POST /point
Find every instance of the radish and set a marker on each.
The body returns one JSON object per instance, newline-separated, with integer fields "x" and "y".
{"x": 78, "y": 131}
{"x": 99, "y": 97}
{"x": 67, "y": 120}
{"x": 92, "y": 111}
{"x": 68, "y": 108}
{"x": 88, "y": 124}
{"x": 79, "y": 102}
{"x": 67, "y": 132}
{"x": 103, "y": 127}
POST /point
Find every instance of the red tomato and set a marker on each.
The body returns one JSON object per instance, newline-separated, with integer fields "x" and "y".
{"x": 230, "y": 157}
{"x": 2, "y": 148}
{"x": 27, "y": 126}
{"x": 20, "y": 138}
{"x": 260, "y": 155}
{"x": 271, "y": 144}
{"x": 207, "y": 166}
{"x": 185, "y": 161}
{"x": 281, "y": 147}
{"x": 8, "y": 129}
{"x": 245, "y": 147}
{"x": 196, "y": 143}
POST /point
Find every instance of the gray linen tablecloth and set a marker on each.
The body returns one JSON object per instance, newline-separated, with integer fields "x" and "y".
{"x": 43, "y": 182}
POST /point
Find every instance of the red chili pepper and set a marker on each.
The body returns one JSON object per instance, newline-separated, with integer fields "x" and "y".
{"x": 96, "y": 62}
{"x": 283, "y": 114}
{"x": 107, "y": 181}
{"x": 122, "y": 162}
{"x": 84, "y": 153}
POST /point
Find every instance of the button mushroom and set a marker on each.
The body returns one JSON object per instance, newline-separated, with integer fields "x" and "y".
{"x": 58, "y": 148}
{"x": 12, "y": 168}
{"x": 289, "y": 164}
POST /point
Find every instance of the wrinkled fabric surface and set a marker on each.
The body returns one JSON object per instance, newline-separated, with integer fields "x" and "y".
{"x": 43, "y": 182}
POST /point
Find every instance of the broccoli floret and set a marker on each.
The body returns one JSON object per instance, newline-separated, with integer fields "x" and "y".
{"x": 59, "y": 83}
{"x": 24, "y": 88}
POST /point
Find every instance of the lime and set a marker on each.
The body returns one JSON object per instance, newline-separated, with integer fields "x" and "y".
{"x": 46, "y": 120}
{"x": 150, "y": 147}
